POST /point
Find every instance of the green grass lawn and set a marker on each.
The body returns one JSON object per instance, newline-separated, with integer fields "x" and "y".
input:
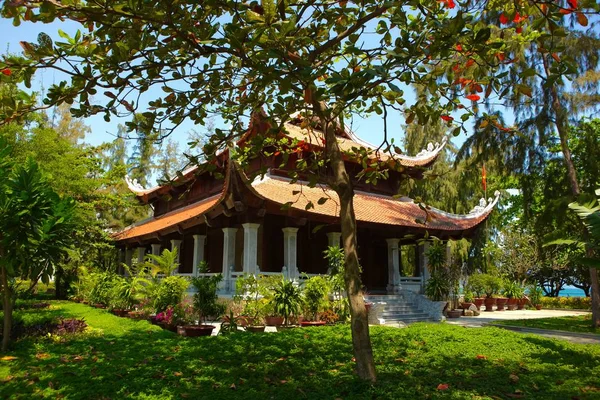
{"x": 580, "y": 323}
{"x": 125, "y": 359}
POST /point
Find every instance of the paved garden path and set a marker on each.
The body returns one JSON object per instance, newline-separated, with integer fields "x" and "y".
{"x": 489, "y": 318}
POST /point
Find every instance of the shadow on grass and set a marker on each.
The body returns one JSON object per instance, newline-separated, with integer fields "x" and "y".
{"x": 143, "y": 361}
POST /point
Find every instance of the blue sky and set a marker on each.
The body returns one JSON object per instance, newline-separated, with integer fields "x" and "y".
{"x": 369, "y": 129}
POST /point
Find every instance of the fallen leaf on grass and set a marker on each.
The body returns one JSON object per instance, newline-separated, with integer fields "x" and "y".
{"x": 8, "y": 358}
{"x": 42, "y": 356}
{"x": 7, "y": 378}
{"x": 233, "y": 386}
{"x": 178, "y": 373}
{"x": 283, "y": 381}
{"x": 513, "y": 378}
{"x": 481, "y": 357}
{"x": 443, "y": 386}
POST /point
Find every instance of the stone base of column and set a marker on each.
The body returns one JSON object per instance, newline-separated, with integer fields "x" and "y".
{"x": 393, "y": 289}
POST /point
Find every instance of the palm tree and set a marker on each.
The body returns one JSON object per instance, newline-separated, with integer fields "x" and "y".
{"x": 589, "y": 213}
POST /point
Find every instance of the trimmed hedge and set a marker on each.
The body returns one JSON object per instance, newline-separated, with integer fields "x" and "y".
{"x": 569, "y": 303}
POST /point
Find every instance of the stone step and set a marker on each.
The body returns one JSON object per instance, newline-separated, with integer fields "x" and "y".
{"x": 401, "y": 316}
{"x": 407, "y": 320}
{"x": 399, "y": 307}
{"x": 383, "y": 297}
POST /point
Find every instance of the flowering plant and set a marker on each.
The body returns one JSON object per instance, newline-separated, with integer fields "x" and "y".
{"x": 181, "y": 314}
{"x": 165, "y": 316}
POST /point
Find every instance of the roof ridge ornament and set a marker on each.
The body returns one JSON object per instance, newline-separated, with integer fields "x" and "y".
{"x": 134, "y": 185}
{"x": 485, "y": 205}
{"x": 430, "y": 150}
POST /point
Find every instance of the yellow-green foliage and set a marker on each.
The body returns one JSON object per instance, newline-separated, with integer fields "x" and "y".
{"x": 573, "y": 303}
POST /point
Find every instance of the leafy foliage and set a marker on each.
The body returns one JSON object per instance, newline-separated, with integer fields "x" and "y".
{"x": 315, "y": 292}
{"x": 205, "y": 298}
{"x": 287, "y": 299}
{"x": 170, "y": 292}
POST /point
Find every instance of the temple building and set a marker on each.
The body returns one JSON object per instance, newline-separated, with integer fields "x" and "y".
{"x": 257, "y": 220}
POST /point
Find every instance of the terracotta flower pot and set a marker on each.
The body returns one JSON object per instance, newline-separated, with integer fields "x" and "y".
{"x": 135, "y": 314}
{"x": 512, "y": 304}
{"x": 454, "y": 313}
{"x": 479, "y": 302}
{"x": 167, "y": 327}
{"x": 255, "y": 328}
{"x": 120, "y": 312}
{"x": 195, "y": 330}
{"x": 490, "y": 302}
{"x": 273, "y": 321}
{"x": 466, "y": 305}
{"x": 521, "y": 304}
{"x": 312, "y": 323}
{"x": 98, "y": 305}
{"x": 500, "y": 303}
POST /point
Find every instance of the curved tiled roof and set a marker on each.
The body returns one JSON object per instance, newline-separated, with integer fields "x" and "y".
{"x": 168, "y": 220}
{"x": 369, "y": 207}
{"x": 316, "y": 138}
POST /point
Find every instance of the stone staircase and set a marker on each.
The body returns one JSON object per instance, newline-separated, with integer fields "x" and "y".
{"x": 398, "y": 309}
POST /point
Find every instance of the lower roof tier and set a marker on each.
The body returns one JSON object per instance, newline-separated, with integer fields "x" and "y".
{"x": 295, "y": 197}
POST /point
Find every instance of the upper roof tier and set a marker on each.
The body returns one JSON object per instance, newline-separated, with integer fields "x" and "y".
{"x": 346, "y": 139}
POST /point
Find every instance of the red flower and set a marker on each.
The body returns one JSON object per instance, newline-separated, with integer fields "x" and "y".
{"x": 448, "y": 3}
{"x": 519, "y": 29}
{"x": 469, "y": 62}
{"x": 447, "y": 118}
{"x": 503, "y": 19}
{"x": 443, "y": 386}
{"x": 6, "y": 72}
{"x": 473, "y": 97}
{"x": 458, "y": 47}
{"x": 519, "y": 18}
{"x": 572, "y": 3}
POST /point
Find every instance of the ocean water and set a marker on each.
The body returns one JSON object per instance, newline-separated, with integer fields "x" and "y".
{"x": 570, "y": 291}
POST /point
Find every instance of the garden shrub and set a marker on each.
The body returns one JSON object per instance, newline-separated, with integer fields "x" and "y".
{"x": 170, "y": 292}
{"x": 101, "y": 284}
{"x": 569, "y": 303}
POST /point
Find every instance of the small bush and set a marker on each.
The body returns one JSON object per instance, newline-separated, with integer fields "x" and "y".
{"x": 170, "y": 292}
{"x": 568, "y": 303}
{"x": 70, "y": 326}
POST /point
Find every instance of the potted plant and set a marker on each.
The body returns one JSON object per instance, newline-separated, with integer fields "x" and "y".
{"x": 535, "y": 297}
{"x": 251, "y": 290}
{"x": 492, "y": 286}
{"x": 166, "y": 320}
{"x": 476, "y": 285}
{"x": 467, "y": 300}
{"x": 205, "y": 301}
{"x": 125, "y": 293}
{"x": 438, "y": 288}
{"x": 316, "y": 291}
{"x": 184, "y": 318}
{"x": 513, "y": 291}
{"x": 287, "y": 299}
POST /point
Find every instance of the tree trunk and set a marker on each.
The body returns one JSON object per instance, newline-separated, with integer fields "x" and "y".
{"x": 562, "y": 126}
{"x": 342, "y": 184}
{"x": 7, "y": 306}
